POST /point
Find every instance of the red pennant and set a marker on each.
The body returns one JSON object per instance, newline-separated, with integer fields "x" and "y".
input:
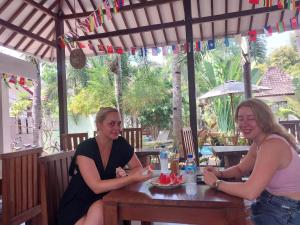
{"x": 22, "y": 81}
{"x": 133, "y": 50}
{"x": 80, "y": 45}
{"x": 252, "y": 35}
{"x": 110, "y": 49}
{"x": 119, "y": 50}
{"x": 254, "y": 1}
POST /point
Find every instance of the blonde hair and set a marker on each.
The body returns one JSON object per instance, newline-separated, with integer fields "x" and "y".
{"x": 265, "y": 119}
{"x": 103, "y": 112}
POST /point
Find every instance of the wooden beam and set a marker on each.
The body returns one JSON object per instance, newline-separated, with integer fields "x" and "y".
{"x": 40, "y": 7}
{"x": 191, "y": 74}
{"x": 182, "y": 23}
{"x": 173, "y": 17}
{"x": 237, "y": 14}
{"x": 132, "y": 30}
{"x": 14, "y": 16}
{"x": 124, "y": 8}
{"x": 32, "y": 28}
{"x": 138, "y": 24}
{"x": 39, "y": 33}
{"x": 26, "y": 33}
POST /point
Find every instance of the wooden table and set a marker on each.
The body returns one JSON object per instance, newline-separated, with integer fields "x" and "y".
{"x": 232, "y": 154}
{"x": 145, "y": 154}
{"x": 143, "y": 202}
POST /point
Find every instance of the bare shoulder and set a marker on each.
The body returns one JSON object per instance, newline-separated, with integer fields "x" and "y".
{"x": 275, "y": 146}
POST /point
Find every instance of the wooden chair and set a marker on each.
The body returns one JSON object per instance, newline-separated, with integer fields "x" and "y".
{"x": 134, "y": 136}
{"x": 54, "y": 178}
{"x": 187, "y": 141}
{"x": 71, "y": 141}
{"x": 20, "y": 199}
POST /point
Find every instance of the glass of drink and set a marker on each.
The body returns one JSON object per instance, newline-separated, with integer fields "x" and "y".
{"x": 174, "y": 165}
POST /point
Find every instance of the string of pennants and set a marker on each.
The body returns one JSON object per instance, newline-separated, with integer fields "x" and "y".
{"x": 281, "y": 4}
{"x": 281, "y": 25}
{"x": 96, "y": 19}
{"x": 18, "y": 81}
{"x": 92, "y": 22}
{"x": 166, "y": 50}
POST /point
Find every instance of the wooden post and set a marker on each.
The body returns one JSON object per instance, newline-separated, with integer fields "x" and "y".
{"x": 246, "y": 67}
{"x": 191, "y": 73}
{"x": 61, "y": 77}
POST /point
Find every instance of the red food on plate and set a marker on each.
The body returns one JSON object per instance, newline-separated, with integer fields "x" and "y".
{"x": 169, "y": 179}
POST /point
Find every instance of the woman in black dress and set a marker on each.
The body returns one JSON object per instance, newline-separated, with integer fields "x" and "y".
{"x": 96, "y": 169}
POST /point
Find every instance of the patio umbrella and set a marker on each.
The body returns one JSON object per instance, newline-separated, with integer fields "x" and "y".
{"x": 230, "y": 88}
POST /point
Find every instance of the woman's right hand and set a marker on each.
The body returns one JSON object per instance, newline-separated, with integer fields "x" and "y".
{"x": 213, "y": 170}
{"x": 142, "y": 174}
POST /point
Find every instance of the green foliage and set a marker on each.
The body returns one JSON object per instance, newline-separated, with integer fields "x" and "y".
{"x": 99, "y": 90}
{"x": 258, "y": 49}
{"x": 49, "y": 89}
{"x": 21, "y": 104}
{"x": 287, "y": 59}
{"x": 145, "y": 89}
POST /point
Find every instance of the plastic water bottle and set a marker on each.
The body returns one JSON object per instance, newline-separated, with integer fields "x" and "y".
{"x": 190, "y": 169}
{"x": 163, "y": 156}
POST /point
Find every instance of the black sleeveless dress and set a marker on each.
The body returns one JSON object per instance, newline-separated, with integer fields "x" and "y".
{"x": 79, "y": 197}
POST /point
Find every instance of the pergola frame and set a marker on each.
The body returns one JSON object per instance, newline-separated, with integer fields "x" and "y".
{"x": 43, "y": 39}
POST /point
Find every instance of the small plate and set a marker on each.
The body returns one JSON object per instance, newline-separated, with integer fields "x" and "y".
{"x": 155, "y": 182}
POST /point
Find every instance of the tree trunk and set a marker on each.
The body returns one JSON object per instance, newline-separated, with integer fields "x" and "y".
{"x": 118, "y": 85}
{"x": 36, "y": 106}
{"x": 177, "y": 104}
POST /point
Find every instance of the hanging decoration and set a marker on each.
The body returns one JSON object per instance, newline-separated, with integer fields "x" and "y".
{"x": 280, "y": 26}
{"x": 18, "y": 81}
{"x": 252, "y": 35}
{"x": 211, "y": 44}
{"x": 226, "y": 41}
{"x": 268, "y": 3}
{"x": 268, "y": 30}
{"x": 254, "y": 2}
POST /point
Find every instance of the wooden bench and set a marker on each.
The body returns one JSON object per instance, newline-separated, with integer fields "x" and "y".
{"x": 20, "y": 200}
{"x": 54, "y": 180}
{"x": 71, "y": 141}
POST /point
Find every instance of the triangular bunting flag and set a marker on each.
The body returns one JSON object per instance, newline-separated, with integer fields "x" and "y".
{"x": 252, "y": 35}
{"x": 211, "y": 44}
{"x": 226, "y": 41}
{"x": 268, "y": 30}
{"x": 280, "y": 27}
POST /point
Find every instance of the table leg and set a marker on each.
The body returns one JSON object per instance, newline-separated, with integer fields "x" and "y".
{"x": 110, "y": 214}
{"x": 237, "y": 217}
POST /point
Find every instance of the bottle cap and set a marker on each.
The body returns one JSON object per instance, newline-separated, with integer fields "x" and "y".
{"x": 190, "y": 156}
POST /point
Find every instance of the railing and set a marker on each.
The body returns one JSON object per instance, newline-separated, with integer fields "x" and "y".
{"x": 293, "y": 127}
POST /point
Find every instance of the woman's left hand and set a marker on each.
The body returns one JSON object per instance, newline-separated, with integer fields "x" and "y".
{"x": 120, "y": 172}
{"x": 209, "y": 177}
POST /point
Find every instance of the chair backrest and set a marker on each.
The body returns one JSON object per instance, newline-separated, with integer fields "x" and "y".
{"x": 163, "y": 135}
{"x": 187, "y": 141}
{"x": 54, "y": 179}
{"x": 134, "y": 136}
{"x": 71, "y": 141}
{"x": 20, "y": 188}
{"x": 293, "y": 127}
